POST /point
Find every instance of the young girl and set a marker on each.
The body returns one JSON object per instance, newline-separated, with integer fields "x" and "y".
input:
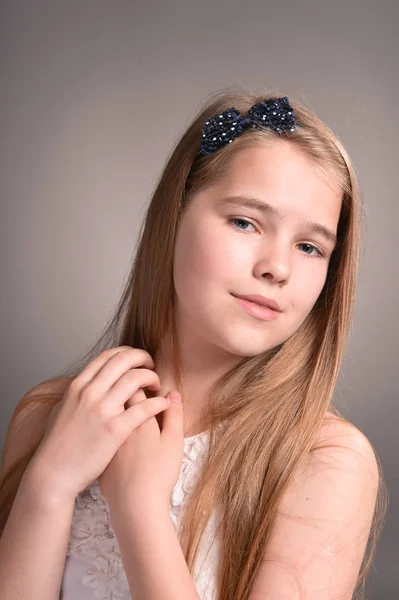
{"x": 239, "y": 302}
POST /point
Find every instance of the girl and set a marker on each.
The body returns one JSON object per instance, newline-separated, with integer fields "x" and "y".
{"x": 239, "y": 301}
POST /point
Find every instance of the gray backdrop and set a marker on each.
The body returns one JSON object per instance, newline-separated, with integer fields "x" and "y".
{"x": 94, "y": 94}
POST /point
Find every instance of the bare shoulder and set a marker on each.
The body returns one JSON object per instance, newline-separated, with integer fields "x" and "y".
{"x": 324, "y": 519}
{"x": 341, "y": 470}
{"x": 341, "y": 440}
{"x": 42, "y": 396}
{"x": 29, "y": 419}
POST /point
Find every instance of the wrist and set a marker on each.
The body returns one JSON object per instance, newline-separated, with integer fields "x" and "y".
{"x": 138, "y": 512}
{"x": 43, "y": 490}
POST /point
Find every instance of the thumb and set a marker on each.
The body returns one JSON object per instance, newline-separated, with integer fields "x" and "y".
{"x": 172, "y": 417}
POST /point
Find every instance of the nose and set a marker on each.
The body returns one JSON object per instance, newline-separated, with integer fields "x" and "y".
{"x": 274, "y": 263}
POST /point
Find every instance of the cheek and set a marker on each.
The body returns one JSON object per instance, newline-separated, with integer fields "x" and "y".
{"x": 202, "y": 259}
{"x": 193, "y": 267}
{"x": 304, "y": 296}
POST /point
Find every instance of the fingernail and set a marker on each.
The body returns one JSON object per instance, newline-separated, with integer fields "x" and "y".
{"x": 175, "y": 397}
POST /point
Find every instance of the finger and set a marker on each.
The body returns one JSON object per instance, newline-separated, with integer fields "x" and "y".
{"x": 121, "y": 363}
{"x": 172, "y": 420}
{"x": 137, "y": 414}
{"x": 99, "y": 367}
{"x": 129, "y": 384}
{"x": 139, "y": 396}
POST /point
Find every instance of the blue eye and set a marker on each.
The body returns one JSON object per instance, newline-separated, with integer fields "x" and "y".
{"x": 242, "y": 221}
{"x": 246, "y": 222}
{"x": 313, "y": 248}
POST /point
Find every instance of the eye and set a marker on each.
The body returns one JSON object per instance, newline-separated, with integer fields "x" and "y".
{"x": 245, "y": 221}
{"x": 319, "y": 253}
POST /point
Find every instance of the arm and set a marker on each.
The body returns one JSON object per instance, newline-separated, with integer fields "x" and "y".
{"x": 151, "y": 554}
{"x": 34, "y": 543}
{"x": 319, "y": 538}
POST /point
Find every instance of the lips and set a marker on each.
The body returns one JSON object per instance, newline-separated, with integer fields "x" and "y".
{"x": 257, "y": 310}
{"x": 261, "y": 301}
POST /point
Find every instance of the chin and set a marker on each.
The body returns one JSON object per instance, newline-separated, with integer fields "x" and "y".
{"x": 245, "y": 343}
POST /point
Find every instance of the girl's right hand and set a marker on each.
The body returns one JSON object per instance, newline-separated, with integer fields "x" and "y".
{"x": 91, "y": 421}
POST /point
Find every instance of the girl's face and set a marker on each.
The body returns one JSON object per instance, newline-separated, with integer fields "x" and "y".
{"x": 225, "y": 249}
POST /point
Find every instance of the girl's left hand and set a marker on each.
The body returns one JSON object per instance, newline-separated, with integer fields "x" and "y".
{"x": 147, "y": 466}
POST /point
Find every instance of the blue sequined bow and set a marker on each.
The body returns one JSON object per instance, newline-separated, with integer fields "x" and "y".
{"x": 276, "y": 114}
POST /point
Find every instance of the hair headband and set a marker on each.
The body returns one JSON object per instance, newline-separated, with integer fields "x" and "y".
{"x": 276, "y": 114}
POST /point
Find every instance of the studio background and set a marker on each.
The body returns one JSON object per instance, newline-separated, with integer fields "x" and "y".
{"x": 94, "y": 95}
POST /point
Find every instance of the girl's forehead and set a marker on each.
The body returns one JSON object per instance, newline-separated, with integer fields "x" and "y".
{"x": 269, "y": 163}
{"x": 277, "y": 177}
{"x": 280, "y": 172}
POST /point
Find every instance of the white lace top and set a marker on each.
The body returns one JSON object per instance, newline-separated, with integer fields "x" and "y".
{"x": 93, "y": 567}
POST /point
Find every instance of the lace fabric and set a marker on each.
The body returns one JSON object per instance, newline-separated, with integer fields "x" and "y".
{"x": 93, "y": 539}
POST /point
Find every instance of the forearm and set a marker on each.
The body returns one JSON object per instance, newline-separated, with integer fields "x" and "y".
{"x": 152, "y": 556}
{"x": 34, "y": 544}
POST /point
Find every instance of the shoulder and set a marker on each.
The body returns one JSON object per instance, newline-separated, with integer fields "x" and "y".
{"x": 339, "y": 433}
{"x": 29, "y": 419}
{"x": 341, "y": 467}
{"x": 341, "y": 445}
{"x": 47, "y": 388}
{"x": 324, "y": 519}
{"x": 40, "y": 399}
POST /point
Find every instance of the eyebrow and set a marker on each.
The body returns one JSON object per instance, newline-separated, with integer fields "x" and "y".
{"x": 273, "y": 210}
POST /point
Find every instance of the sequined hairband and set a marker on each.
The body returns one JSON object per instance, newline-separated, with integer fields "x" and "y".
{"x": 218, "y": 131}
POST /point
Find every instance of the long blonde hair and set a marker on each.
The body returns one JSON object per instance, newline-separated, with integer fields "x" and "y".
{"x": 273, "y": 405}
